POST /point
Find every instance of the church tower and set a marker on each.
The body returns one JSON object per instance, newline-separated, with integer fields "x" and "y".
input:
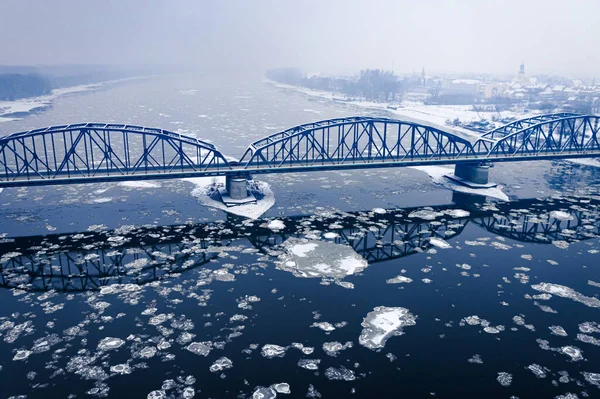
{"x": 522, "y": 71}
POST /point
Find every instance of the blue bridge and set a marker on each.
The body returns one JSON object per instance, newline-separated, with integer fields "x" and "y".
{"x": 94, "y": 152}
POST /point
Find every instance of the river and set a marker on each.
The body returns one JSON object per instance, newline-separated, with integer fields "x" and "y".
{"x": 378, "y": 283}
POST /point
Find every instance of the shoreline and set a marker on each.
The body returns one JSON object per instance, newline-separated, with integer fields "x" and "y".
{"x": 412, "y": 111}
{"x": 21, "y": 108}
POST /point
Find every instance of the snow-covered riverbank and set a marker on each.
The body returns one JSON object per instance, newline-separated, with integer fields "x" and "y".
{"x": 12, "y": 110}
{"x": 434, "y": 115}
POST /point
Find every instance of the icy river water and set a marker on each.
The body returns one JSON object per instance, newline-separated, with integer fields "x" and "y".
{"x": 365, "y": 284}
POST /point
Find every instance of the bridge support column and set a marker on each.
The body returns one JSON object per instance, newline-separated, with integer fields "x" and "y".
{"x": 236, "y": 190}
{"x": 236, "y": 187}
{"x": 472, "y": 174}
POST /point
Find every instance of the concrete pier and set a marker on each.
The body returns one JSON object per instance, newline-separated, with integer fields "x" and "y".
{"x": 236, "y": 190}
{"x": 474, "y": 175}
{"x": 236, "y": 187}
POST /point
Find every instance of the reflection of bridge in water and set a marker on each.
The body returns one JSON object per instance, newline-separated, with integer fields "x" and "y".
{"x": 90, "y": 260}
{"x": 95, "y": 152}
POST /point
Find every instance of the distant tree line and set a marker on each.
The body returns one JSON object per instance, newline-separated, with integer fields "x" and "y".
{"x": 14, "y": 86}
{"x": 370, "y": 84}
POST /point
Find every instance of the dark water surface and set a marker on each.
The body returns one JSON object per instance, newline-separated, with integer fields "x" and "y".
{"x": 175, "y": 287}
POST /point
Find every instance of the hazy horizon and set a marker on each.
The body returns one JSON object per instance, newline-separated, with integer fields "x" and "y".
{"x": 330, "y": 37}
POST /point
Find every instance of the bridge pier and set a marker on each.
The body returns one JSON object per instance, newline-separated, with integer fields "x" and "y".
{"x": 472, "y": 174}
{"x": 236, "y": 191}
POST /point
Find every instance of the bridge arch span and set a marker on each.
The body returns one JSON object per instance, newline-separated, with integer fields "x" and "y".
{"x": 488, "y": 139}
{"x": 92, "y": 151}
{"x": 572, "y": 134}
{"x": 355, "y": 141}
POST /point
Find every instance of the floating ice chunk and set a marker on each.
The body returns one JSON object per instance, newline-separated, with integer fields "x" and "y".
{"x": 492, "y": 330}
{"x": 558, "y": 330}
{"x": 123, "y": 368}
{"x": 158, "y": 394}
{"x": 589, "y": 327}
{"x": 334, "y": 348}
{"x": 398, "y": 280}
{"x": 568, "y": 395}
{"x": 499, "y": 245}
{"x": 200, "y": 348}
{"x": 331, "y": 235}
{"x": 457, "y": 213}
{"x": 264, "y": 393}
{"x": 188, "y": 393}
{"x": 110, "y": 343}
{"x": 223, "y": 275}
{"x": 560, "y": 215}
{"x": 439, "y": 243}
{"x": 560, "y": 244}
{"x": 276, "y": 225}
{"x": 22, "y": 354}
{"x": 379, "y": 210}
{"x": 566, "y": 292}
{"x": 270, "y": 351}
{"x": 221, "y": 364}
{"x": 573, "y": 352}
{"x": 139, "y": 184}
{"x": 592, "y": 378}
{"x": 324, "y": 325}
{"x": 309, "y": 364}
{"x": 505, "y": 379}
{"x": 341, "y": 373}
{"x": 537, "y": 370}
{"x": 148, "y": 352}
{"x": 317, "y": 259}
{"x": 425, "y": 214}
{"x": 282, "y": 387}
{"x": 475, "y": 359}
{"x": 382, "y": 323}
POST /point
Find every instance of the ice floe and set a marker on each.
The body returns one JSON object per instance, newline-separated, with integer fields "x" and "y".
{"x": 566, "y": 292}
{"x": 318, "y": 259}
{"x": 139, "y": 184}
{"x": 206, "y": 191}
{"x": 438, "y": 173}
{"x": 382, "y": 323}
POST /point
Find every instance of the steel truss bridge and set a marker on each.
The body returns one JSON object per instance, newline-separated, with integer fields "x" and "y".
{"x": 89, "y": 261}
{"x": 93, "y": 152}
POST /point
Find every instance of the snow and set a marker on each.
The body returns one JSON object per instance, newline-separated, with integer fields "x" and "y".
{"x": 206, "y": 192}
{"x": 586, "y": 161}
{"x": 302, "y": 250}
{"x": 139, "y": 184}
{"x": 437, "y": 174}
{"x": 433, "y": 115}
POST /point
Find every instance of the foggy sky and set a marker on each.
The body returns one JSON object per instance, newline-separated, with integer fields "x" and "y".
{"x": 551, "y": 36}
